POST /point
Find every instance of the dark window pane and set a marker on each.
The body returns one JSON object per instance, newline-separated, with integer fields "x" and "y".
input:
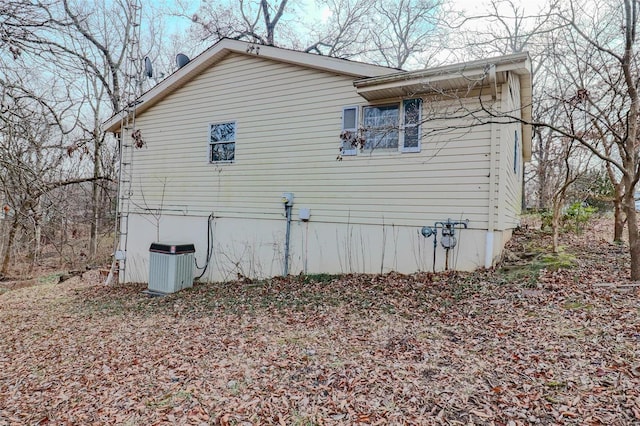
{"x": 412, "y": 111}
{"x": 223, "y": 152}
{"x": 222, "y": 137}
{"x": 223, "y": 132}
{"x": 411, "y": 137}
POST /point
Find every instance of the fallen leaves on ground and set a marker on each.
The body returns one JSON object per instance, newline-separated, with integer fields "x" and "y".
{"x": 485, "y": 348}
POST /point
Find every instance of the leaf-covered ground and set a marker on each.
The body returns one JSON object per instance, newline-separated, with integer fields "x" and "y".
{"x": 527, "y": 344}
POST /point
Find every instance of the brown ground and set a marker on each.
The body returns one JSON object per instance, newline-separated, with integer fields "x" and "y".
{"x": 522, "y": 345}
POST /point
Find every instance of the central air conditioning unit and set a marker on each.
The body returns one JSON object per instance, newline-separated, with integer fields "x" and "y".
{"x": 170, "y": 267}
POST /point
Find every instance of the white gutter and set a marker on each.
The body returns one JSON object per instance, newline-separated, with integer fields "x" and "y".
{"x": 518, "y": 62}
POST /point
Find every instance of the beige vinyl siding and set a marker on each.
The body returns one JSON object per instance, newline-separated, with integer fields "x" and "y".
{"x": 494, "y": 178}
{"x": 288, "y": 121}
{"x": 512, "y": 181}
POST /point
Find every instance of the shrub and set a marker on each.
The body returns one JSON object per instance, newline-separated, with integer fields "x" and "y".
{"x": 577, "y": 215}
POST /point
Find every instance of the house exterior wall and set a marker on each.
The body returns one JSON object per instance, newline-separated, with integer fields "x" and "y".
{"x": 366, "y": 210}
{"x": 255, "y": 248}
{"x": 511, "y": 155}
{"x": 507, "y": 169}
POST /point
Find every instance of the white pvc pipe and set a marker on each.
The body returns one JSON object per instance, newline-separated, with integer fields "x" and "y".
{"x": 287, "y": 241}
{"x": 488, "y": 250}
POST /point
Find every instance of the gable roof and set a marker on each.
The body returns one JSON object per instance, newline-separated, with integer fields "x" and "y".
{"x": 226, "y": 46}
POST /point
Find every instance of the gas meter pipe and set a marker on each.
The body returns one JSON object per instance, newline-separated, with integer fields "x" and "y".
{"x": 287, "y": 238}
{"x": 448, "y": 240}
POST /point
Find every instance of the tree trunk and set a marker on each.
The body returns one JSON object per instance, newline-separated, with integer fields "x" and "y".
{"x": 7, "y": 250}
{"x": 634, "y": 240}
{"x": 629, "y": 205}
{"x": 37, "y": 235}
{"x": 631, "y": 141}
{"x": 555, "y": 223}
{"x": 95, "y": 211}
{"x": 618, "y": 218}
{"x": 95, "y": 200}
{"x": 618, "y": 208}
{"x": 4, "y": 224}
{"x": 543, "y": 199}
{"x": 63, "y": 231}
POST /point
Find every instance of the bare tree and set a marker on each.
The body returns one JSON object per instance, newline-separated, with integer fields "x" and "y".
{"x": 402, "y": 28}
{"x": 513, "y": 29}
{"x": 31, "y": 152}
{"x": 595, "y": 69}
{"x": 344, "y": 34}
{"x": 393, "y": 33}
{"x": 506, "y": 27}
{"x": 247, "y": 20}
{"x": 619, "y": 218}
{"x": 101, "y": 33}
{"x": 22, "y": 24}
{"x": 86, "y": 45}
{"x": 602, "y": 42}
{"x": 571, "y": 163}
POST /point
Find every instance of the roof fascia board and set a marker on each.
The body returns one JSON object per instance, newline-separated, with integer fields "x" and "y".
{"x": 519, "y": 63}
{"x": 225, "y": 46}
{"x": 325, "y": 63}
{"x": 426, "y": 82}
{"x": 526, "y": 95}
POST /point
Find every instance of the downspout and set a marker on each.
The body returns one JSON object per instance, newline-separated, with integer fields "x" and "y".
{"x": 493, "y": 82}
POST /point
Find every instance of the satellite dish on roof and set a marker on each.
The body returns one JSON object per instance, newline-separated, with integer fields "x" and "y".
{"x": 182, "y": 60}
{"x": 148, "y": 68}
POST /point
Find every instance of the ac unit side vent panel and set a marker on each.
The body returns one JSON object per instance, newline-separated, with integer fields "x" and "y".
{"x": 170, "y": 270}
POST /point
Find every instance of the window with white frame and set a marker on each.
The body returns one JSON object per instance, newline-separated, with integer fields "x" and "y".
{"x": 349, "y": 133}
{"x": 412, "y": 112}
{"x": 222, "y": 142}
{"x": 381, "y": 125}
{"x": 389, "y": 127}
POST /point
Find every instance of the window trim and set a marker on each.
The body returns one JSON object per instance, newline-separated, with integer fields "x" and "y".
{"x": 211, "y": 144}
{"x": 354, "y": 149}
{"x": 402, "y": 125}
{"x": 402, "y": 147}
{"x": 388, "y": 104}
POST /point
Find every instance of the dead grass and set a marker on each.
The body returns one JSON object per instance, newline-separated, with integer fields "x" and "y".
{"x": 493, "y": 347}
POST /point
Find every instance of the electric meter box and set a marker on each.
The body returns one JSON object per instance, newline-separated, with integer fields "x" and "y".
{"x": 170, "y": 267}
